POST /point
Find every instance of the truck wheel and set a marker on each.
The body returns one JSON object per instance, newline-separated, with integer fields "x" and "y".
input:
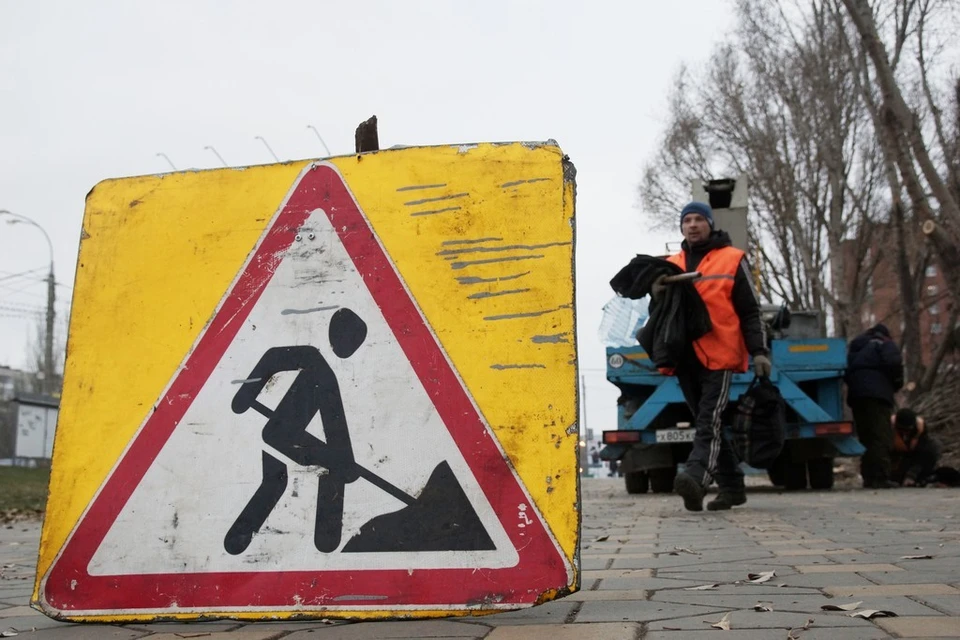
{"x": 794, "y": 476}
{"x": 821, "y": 473}
{"x": 661, "y": 480}
{"x": 777, "y": 475}
{"x": 637, "y": 482}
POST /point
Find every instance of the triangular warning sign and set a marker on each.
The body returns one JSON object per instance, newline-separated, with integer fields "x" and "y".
{"x": 315, "y": 450}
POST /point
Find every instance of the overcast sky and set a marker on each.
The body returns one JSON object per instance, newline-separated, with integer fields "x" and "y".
{"x": 96, "y": 89}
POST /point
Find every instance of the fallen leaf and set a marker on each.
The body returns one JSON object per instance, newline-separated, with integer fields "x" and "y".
{"x": 601, "y": 538}
{"x": 759, "y": 578}
{"x": 799, "y": 630}
{"x": 723, "y": 623}
{"x": 870, "y": 614}
{"x": 703, "y": 587}
{"x": 921, "y": 557}
{"x": 763, "y": 606}
{"x": 841, "y": 607}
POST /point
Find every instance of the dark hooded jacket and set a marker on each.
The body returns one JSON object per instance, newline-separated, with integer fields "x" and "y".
{"x": 874, "y": 366}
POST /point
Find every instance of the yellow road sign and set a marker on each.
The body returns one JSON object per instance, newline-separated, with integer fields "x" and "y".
{"x": 341, "y": 389}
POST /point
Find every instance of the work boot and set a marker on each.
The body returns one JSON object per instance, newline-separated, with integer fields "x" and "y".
{"x": 690, "y": 490}
{"x": 727, "y": 499}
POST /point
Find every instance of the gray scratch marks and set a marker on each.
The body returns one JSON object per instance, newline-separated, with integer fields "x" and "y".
{"x": 478, "y": 280}
{"x": 528, "y": 314}
{"x": 417, "y": 187}
{"x": 514, "y": 183}
{"x": 434, "y": 211}
{"x": 360, "y": 597}
{"x": 493, "y": 294}
{"x": 437, "y": 199}
{"x": 501, "y": 367}
{"x": 555, "y": 337}
{"x": 288, "y": 312}
{"x": 476, "y": 241}
{"x": 246, "y": 381}
{"x": 467, "y": 263}
{"x": 507, "y": 247}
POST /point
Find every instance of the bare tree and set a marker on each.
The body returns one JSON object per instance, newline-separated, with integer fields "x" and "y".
{"x": 904, "y": 136}
{"x": 779, "y": 102}
{"x": 911, "y": 164}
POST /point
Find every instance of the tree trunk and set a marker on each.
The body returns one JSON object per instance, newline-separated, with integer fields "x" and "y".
{"x": 909, "y": 309}
{"x": 891, "y": 128}
{"x": 906, "y": 120}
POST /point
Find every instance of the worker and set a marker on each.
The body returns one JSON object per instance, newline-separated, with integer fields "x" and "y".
{"x": 704, "y": 373}
{"x": 874, "y": 374}
{"x": 915, "y": 453}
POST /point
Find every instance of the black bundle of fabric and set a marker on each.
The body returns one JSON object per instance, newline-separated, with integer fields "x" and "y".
{"x": 677, "y": 318}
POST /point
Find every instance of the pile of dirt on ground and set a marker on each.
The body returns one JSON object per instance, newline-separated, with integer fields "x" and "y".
{"x": 949, "y": 436}
{"x": 9, "y": 516}
{"x": 846, "y": 473}
{"x": 940, "y": 408}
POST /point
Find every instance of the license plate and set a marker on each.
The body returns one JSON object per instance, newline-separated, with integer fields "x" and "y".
{"x": 675, "y": 435}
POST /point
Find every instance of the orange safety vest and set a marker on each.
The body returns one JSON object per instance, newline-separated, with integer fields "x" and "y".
{"x": 902, "y": 444}
{"x": 723, "y": 348}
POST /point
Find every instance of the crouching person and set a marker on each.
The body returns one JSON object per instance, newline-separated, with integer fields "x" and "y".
{"x": 915, "y": 452}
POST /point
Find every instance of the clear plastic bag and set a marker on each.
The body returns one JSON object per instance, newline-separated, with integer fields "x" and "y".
{"x": 622, "y": 318}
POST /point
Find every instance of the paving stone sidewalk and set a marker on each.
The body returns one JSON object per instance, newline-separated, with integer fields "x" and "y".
{"x": 652, "y": 570}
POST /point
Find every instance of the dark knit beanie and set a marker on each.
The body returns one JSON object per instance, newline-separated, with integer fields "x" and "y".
{"x": 698, "y": 207}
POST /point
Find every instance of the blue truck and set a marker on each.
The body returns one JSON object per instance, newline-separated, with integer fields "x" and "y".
{"x": 654, "y": 425}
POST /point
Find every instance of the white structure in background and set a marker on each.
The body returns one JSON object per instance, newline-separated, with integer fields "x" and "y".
{"x": 36, "y": 425}
{"x": 622, "y": 318}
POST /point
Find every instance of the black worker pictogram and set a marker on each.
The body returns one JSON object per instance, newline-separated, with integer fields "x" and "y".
{"x": 440, "y": 518}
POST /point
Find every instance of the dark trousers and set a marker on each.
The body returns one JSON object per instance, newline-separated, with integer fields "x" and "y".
{"x": 707, "y": 393}
{"x": 872, "y": 419}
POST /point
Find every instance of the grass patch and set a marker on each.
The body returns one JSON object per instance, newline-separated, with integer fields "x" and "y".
{"x": 23, "y": 489}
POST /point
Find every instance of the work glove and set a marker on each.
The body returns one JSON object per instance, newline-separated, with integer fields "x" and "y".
{"x": 762, "y": 366}
{"x": 658, "y": 287}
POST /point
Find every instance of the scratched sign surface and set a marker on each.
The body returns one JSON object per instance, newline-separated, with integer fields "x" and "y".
{"x": 342, "y": 388}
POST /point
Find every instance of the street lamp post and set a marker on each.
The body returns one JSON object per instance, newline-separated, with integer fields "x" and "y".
{"x": 169, "y": 161}
{"x": 314, "y": 129}
{"x": 216, "y": 153}
{"x": 16, "y": 218}
{"x": 260, "y": 138}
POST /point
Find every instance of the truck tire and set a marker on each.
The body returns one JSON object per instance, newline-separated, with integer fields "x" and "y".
{"x": 637, "y": 481}
{"x": 794, "y": 476}
{"x": 661, "y": 480}
{"x": 777, "y": 475}
{"x": 821, "y": 473}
